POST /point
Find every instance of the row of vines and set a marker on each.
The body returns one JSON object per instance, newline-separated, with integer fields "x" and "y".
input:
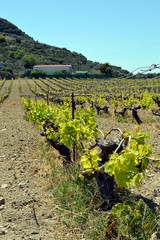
{"x": 67, "y": 112}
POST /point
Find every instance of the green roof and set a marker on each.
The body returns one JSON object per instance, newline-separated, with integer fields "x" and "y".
{"x": 81, "y": 72}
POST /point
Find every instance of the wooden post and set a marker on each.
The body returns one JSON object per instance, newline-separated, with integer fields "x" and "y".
{"x": 73, "y": 110}
{"x": 47, "y": 99}
{"x": 73, "y": 105}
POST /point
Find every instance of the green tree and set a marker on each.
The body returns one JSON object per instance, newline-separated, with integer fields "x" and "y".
{"x": 2, "y": 39}
{"x": 29, "y": 61}
{"x": 106, "y": 69}
{"x": 18, "y": 54}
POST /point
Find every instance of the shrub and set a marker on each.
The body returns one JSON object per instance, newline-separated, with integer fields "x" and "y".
{"x": 2, "y": 39}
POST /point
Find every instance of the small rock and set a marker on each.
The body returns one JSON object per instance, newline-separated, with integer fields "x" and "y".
{"x": 35, "y": 232}
{"x": 49, "y": 215}
{"x": 34, "y": 238}
{"x": 4, "y": 185}
{"x": 22, "y": 185}
{"x": 2, "y": 231}
{"x": 2, "y": 201}
{"x": 3, "y": 129}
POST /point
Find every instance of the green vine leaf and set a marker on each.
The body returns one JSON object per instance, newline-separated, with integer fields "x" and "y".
{"x": 129, "y": 166}
{"x": 90, "y": 160}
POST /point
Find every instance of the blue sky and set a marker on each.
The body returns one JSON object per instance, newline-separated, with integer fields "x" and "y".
{"x": 125, "y": 33}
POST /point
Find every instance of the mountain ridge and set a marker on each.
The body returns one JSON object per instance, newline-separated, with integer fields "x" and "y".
{"x": 19, "y": 52}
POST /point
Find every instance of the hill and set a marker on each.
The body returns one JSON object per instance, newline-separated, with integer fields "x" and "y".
{"x": 19, "y": 52}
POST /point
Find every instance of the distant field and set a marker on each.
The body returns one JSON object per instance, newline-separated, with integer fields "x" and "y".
{"x": 97, "y": 87}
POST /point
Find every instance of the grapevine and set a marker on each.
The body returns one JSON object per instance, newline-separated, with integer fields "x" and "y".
{"x": 71, "y": 131}
{"x": 112, "y": 161}
{"x": 129, "y": 165}
{"x": 123, "y": 161}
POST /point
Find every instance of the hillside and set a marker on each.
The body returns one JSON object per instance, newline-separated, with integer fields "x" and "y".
{"x": 19, "y": 52}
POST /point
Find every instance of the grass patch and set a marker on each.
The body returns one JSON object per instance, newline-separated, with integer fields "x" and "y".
{"x": 78, "y": 205}
{"x": 78, "y": 201}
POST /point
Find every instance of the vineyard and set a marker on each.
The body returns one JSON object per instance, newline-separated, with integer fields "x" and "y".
{"x": 107, "y": 135}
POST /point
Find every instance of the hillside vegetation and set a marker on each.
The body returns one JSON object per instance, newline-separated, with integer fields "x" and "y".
{"x": 19, "y": 52}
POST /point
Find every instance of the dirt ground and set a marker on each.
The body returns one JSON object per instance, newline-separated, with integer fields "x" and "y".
{"x": 26, "y": 208}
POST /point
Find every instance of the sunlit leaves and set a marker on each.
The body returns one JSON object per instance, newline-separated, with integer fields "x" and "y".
{"x": 147, "y": 100}
{"x": 70, "y": 131}
{"x": 129, "y": 166}
{"x": 134, "y": 220}
{"x": 90, "y": 160}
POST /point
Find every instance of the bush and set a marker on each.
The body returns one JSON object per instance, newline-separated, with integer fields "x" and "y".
{"x": 29, "y": 61}
{"x": 2, "y": 39}
{"x": 131, "y": 221}
{"x": 38, "y": 74}
{"x": 6, "y": 73}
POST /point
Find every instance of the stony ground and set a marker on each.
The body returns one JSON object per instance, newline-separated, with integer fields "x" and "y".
{"x": 26, "y": 208}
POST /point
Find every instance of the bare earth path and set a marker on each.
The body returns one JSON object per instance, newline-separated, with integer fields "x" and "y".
{"x": 26, "y": 212}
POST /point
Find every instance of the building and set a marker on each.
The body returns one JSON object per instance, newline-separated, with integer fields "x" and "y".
{"x": 82, "y": 72}
{"x": 53, "y": 69}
